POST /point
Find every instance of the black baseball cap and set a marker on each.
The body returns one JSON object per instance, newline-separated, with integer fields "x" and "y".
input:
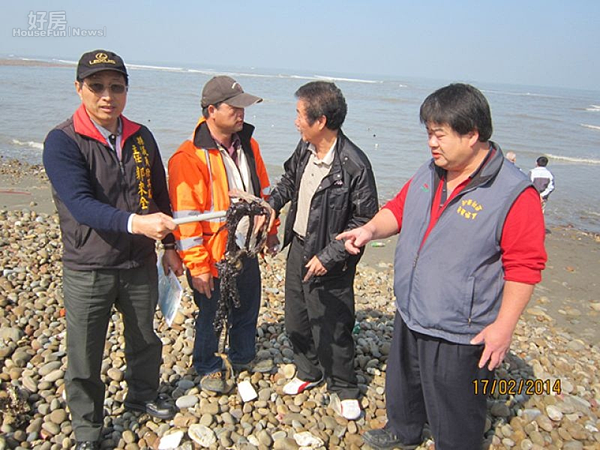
{"x": 224, "y": 89}
{"x": 97, "y": 61}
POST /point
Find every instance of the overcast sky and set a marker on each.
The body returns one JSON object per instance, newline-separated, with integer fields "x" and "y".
{"x": 538, "y": 42}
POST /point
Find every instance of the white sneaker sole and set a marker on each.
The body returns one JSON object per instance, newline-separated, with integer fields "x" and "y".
{"x": 297, "y": 386}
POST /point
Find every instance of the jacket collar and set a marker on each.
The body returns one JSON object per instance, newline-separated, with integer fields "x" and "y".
{"x": 84, "y": 126}
{"x": 339, "y": 145}
{"x": 203, "y": 139}
{"x": 490, "y": 167}
{"x": 487, "y": 171}
{"x": 336, "y": 173}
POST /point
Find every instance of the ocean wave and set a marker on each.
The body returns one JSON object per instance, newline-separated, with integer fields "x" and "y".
{"x": 231, "y": 74}
{"x": 146, "y": 67}
{"x": 251, "y": 75}
{"x": 350, "y": 80}
{"x": 593, "y": 108}
{"x": 32, "y": 144}
{"x": 65, "y": 61}
{"x": 207, "y": 71}
{"x": 235, "y": 74}
{"x": 521, "y": 94}
{"x": 131, "y": 66}
{"x": 213, "y": 72}
{"x": 569, "y": 159}
{"x": 299, "y": 77}
{"x": 591, "y": 127}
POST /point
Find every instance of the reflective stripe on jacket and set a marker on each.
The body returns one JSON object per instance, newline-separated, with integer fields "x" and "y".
{"x": 198, "y": 184}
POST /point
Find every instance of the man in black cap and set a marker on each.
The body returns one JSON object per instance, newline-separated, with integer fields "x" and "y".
{"x": 221, "y": 156}
{"x": 110, "y": 190}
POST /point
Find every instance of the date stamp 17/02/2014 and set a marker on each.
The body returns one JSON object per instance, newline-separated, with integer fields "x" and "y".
{"x": 529, "y": 386}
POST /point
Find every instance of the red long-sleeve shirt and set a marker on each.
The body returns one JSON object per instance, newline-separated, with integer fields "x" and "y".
{"x": 522, "y": 243}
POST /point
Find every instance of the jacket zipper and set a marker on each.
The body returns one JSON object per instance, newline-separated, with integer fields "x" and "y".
{"x": 416, "y": 259}
{"x": 123, "y": 189}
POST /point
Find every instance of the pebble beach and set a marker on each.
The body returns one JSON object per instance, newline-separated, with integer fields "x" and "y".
{"x": 546, "y": 394}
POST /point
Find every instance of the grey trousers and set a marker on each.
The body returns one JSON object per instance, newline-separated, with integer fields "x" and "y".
{"x": 89, "y": 298}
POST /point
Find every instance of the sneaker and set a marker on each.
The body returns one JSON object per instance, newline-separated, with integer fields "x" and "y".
{"x": 297, "y": 386}
{"x": 241, "y": 367}
{"x": 385, "y": 439}
{"x": 349, "y": 409}
{"x": 214, "y": 382}
{"x": 262, "y": 366}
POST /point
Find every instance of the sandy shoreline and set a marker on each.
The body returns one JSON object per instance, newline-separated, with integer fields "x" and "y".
{"x": 32, "y": 63}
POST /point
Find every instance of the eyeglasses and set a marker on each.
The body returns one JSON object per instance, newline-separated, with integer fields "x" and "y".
{"x": 99, "y": 88}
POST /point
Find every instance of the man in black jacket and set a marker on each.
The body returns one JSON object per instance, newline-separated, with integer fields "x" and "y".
{"x": 109, "y": 187}
{"x": 331, "y": 187}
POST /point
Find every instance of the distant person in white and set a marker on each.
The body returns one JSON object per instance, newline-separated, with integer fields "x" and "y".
{"x": 542, "y": 180}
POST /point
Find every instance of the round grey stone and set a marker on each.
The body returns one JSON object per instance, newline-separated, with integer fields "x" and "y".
{"x": 54, "y": 376}
{"x": 49, "y": 367}
{"x": 184, "y": 385}
{"x": 58, "y": 416}
{"x": 187, "y": 401}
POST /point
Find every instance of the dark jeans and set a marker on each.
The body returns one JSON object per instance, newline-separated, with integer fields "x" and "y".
{"x": 89, "y": 299}
{"x": 431, "y": 380}
{"x": 319, "y": 317}
{"x": 242, "y": 334}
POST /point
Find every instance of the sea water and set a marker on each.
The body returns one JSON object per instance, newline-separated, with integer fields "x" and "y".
{"x": 383, "y": 119}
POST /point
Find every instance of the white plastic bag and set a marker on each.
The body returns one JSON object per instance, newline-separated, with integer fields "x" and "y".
{"x": 169, "y": 293}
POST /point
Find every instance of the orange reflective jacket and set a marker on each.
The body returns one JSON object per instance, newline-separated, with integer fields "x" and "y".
{"x": 198, "y": 184}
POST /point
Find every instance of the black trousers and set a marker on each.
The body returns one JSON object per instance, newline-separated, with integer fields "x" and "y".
{"x": 89, "y": 299}
{"x": 431, "y": 380}
{"x": 319, "y": 317}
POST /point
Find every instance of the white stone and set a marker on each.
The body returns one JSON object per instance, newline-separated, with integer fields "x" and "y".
{"x": 306, "y": 439}
{"x": 170, "y": 441}
{"x": 187, "y": 401}
{"x": 202, "y": 435}
{"x": 554, "y": 413}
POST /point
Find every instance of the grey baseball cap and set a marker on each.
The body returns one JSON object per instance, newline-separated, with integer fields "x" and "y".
{"x": 224, "y": 89}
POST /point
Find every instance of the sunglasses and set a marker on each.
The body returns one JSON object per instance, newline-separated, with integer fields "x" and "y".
{"x": 99, "y": 88}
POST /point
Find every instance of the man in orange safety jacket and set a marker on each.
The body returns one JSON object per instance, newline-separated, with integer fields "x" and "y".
{"x": 220, "y": 156}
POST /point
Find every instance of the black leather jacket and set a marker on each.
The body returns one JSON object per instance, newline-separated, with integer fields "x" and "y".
{"x": 345, "y": 199}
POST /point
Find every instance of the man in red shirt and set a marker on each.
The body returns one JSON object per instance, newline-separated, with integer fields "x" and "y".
{"x": 470, "y": 250}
